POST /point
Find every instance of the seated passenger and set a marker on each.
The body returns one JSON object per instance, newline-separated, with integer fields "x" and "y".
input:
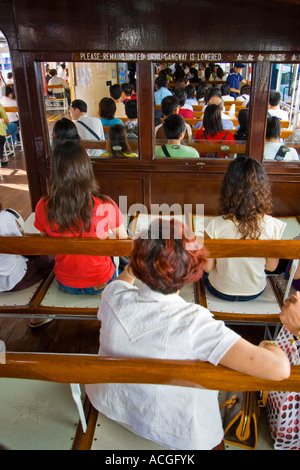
{"x": 161, "y": 90}
{"x": 191, "y": 95}
{"x": 117, "y": 144}
{"x": 59, "y": 92}
{"x": 185, "y": 110}
{"x": 107, "y": 111}
{"x": 127, "y": 89}
{"x": 64, "y": 129}
{"x": 244, "y": 207}
{"x": 242, "y": 132}
{"x": 215, "y": 98}
{"x": 225, "y": 92}
{"x": 75, "y": 208}
{"x": 117, "y": 94}
{"x": 275, "y": 150}
{"x": 131, "y": 126}
{"x": 20, "y": 272}
{"x": 293, "y": 138}
{"x": 274, "y": 106}
{"x": 213, "y": 128}
{"x": 89, "y": 128}
{"x": 153, "y": 321}
{"x": 175, "y": 129}
{"x": 244, "y": 95}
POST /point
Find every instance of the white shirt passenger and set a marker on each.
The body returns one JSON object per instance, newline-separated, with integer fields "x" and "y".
{"x": 138, "y": 322}
{"x": 12, "y": 267}
{"x": 241, "y": 276}
{"x": 9, "y": 103}
{"x": 271, "y": 149}
{"x": 279, "y": 113}
{"x": 95, "y": 125}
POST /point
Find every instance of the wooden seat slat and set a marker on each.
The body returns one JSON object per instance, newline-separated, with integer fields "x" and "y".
{"x": 89, "y": 369}
{"x": 41, "y": 245}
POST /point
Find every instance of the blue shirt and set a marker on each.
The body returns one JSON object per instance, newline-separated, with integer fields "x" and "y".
{"x": 233, "y": 81}
{"x": 110, "y": 122}
{"x": 160, "y": 94}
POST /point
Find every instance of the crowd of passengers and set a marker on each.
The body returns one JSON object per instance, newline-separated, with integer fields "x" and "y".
{"x": 175, "y": 107}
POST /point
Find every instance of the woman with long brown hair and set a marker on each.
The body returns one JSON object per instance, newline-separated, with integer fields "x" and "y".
{"x": 75, "y": 208}
{"x": 245, "y": 207}
{"x": 117, "y": 143}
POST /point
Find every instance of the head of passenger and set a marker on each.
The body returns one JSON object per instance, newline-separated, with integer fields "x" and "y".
{"x": 72, "y": 187}
{"x": 243, "y": 120}
{"x": 117, "y": 144}
{"x": 161, "y": 82}
{"x": 116, "y": 92}
{"x": 107, "y": 108}
{"x": 190, "y": 91}
{"x": 131, "y": 109}
{"x": 181, "y": 95}
{"x": 169, "y": 105}
{"x": 77, "y": 108}
{"x": 212, "y": 119}
{"x": 245, "y": 195}
{"x": 174, "y": 127}
{"x": 273, "y": 129}
{"x": 274, "y": 98}
{"x": 225, "y": 89}
{"x": 64, "y": 129}
{"x": 167, "y": 256}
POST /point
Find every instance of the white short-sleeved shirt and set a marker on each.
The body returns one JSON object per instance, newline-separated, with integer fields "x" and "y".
{"x": 95, "y": 125}
{"x": 241, "y": 276}
{"x": 138, "y": 322}
{"x": 271, "y": 149}
{"x": 12, "y": 267}
{"x": 279, "y": 113}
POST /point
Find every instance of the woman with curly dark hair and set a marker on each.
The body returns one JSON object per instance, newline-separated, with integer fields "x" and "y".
{"x": 244, "y": 208}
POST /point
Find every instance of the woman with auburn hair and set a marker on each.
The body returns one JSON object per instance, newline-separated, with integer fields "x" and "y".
{"x": 153, "y": 321}
{"x": 75, "y": 208}
{"x": 244, "y": 208}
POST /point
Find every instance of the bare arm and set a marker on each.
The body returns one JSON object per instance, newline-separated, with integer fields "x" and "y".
{"x": 271, "y": 264}
{"x": 290, "y": 314}
{"x": 266, "y": 361}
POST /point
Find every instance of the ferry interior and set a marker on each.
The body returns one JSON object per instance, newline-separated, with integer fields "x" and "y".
{"x": 97, "y": 46}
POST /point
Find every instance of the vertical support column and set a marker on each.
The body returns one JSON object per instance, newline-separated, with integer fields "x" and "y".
{"x": 258, "y": 109}
{"x": 145, "y": 95}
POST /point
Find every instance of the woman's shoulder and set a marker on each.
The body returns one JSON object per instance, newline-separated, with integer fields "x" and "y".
{"x": 273, "y": 227}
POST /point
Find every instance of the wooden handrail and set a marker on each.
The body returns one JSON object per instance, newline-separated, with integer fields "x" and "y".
{"x": 89, "y": 369}
{"x": 42, "y": 245}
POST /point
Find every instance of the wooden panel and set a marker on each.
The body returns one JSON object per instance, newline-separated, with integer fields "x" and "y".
{"x": 191, "y": 189}
{"x": 73, "y": 25}
{"x": 118, "y": 184}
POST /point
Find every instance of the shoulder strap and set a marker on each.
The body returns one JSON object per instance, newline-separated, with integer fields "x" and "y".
{"x": 165, "y": 150}
{"x": 89, "y": 129}
{"x": 223, "y": 138}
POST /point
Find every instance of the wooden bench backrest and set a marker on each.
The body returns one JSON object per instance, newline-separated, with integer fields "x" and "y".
{"x": 93, "y": 369}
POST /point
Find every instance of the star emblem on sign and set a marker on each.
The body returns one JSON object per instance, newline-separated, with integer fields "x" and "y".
{"x": 31, "y": 410}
